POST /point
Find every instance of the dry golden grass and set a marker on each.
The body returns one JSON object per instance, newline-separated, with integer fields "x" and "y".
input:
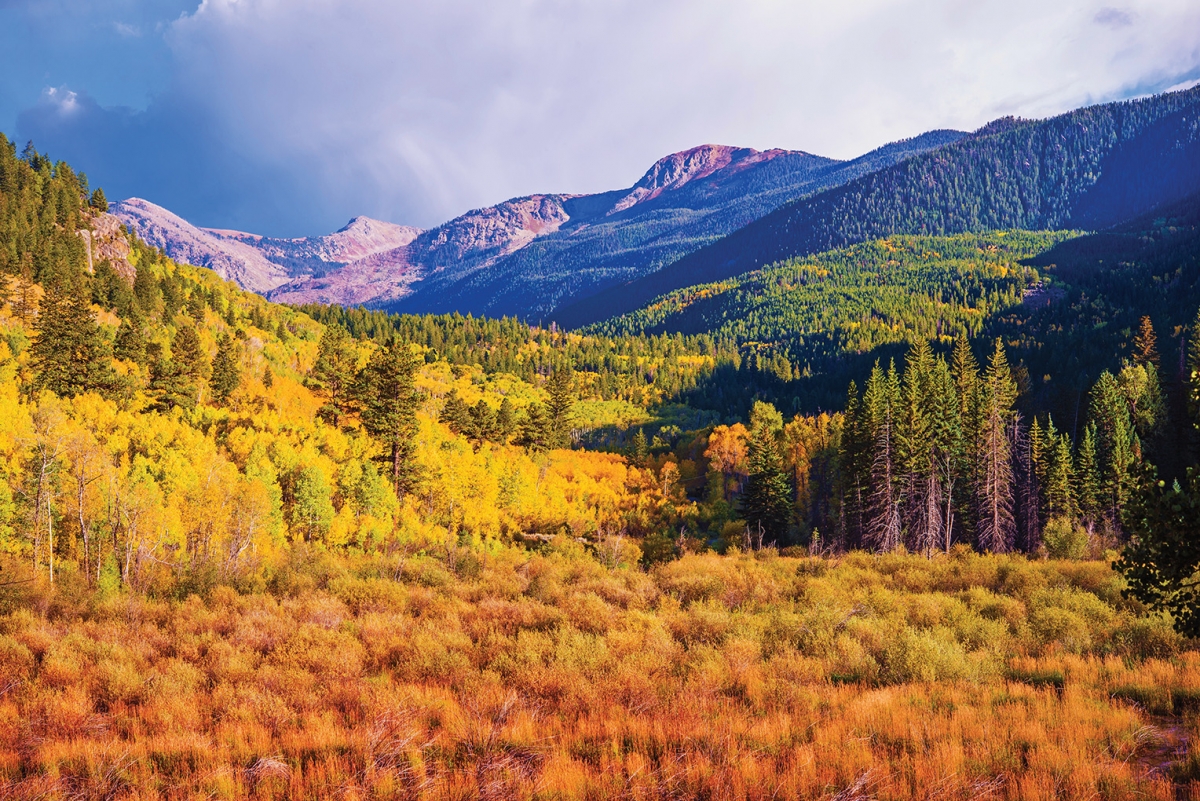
{"x": 501, "y": 673}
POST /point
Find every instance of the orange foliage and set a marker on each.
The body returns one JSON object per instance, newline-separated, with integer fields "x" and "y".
{"x": 503, "y": 673}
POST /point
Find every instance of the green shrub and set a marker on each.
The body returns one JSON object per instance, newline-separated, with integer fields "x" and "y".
{"x": 924, "y": 656}
{"x": 1064, "y": 538}
{"x": 1148, "y": 637}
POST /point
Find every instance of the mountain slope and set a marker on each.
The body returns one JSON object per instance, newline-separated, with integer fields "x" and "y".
{"x": 1090, "y": 168}
{"x": 1063, "y": 302}
{"x": 259, "y": 263}
{"x": 526, "y": 255}
{"x": 682, "y": 203}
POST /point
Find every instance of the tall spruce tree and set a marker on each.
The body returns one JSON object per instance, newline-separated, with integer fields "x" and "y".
{"x": 947, "y": 436}
{"x": 170, "y": 386}
{"x": 917, "y": 452}
{"x": 69, "y": 352}
{"x": 189, "y": 358}
{"x": 333, "y": 373}
{"x": 1060, "y": 480}
{"x": 854, "y": 453}
{"x": 766, "y": 503}
{"x": 130, "y": 343}
{"x": 1088, "y": 485}
{"x": 226, "y": 369}
{"x": 559, "y": 405}
{"x": 996, "y": 526}
{"x": 535, "y": 431}
{"x": 387, "y": 396}
{"x": 506, "y": 420}
{"x": 455, "y": 413}
{"x": 1116, "y": 445}
{"x": 965, "y": 370}
{"x": 881, "y": 405}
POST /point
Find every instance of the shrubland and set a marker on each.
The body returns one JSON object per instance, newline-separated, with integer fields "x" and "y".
{"x": 498, "y": 671}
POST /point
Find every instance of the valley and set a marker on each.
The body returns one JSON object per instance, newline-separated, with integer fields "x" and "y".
{"x": 769, "y": 476}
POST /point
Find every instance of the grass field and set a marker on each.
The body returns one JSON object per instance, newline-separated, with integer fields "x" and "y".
{"x": 497, "y": 672}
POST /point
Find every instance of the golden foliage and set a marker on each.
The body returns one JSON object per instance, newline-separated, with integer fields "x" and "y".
{"x": 496, "y": 672}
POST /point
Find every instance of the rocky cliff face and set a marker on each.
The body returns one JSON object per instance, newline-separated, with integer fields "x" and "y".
{"x": 107, "y": 242}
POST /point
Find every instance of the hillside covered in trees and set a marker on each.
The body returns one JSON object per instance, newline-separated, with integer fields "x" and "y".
{"x": 1088, "y": 169}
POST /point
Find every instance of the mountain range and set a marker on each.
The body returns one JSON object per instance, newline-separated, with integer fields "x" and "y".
{"x": 713, "y": 212}
{"x": 1088, "y": 169}
{"x": 525, "y": 256}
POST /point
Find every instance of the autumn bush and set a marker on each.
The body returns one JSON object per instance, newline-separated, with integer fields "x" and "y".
{"x": 495, "y": 671}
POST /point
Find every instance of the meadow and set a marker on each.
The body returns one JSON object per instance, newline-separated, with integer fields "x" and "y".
{"x": 496, "y": 671}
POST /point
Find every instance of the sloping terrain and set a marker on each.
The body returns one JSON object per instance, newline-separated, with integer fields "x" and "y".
{"x": 255, "y": 262}
{"x": 682, "y": 203}
{"x": 1091, "y": 168}
{"x": 527, "y": 255}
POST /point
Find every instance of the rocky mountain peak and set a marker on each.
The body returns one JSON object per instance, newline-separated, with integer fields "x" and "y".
{"x": 674, "y": 171}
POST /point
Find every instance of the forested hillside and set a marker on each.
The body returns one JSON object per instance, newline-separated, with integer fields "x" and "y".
{"x": 605, "y": 243}
{"x": 171, "y": 428}
{"x": 1066, "y": 304}
{"x": 1090, "y": 169}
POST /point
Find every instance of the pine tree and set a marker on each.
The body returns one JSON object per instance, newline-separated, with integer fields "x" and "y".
{"x": 146, "y": 290}
{"x": 130, "y": 344}
{"x": 853, "y": 451}
{"x": 226, "y": 369}
{"x": 965, "y": 370}
{"x": 170, "y": 386}
{"x": 947, "y": 435}
{"x": 1116, "y": 444}
{"x": 1041, "y": 448}
{"x": 387, "y": 396}
{"x": 69, "y": 353}
{"x": 1060, "y": 480}
{"x": 1145, "y": 345}
{"x": 922, "y": 510}
{"x": 766, "y": 504}
{"x": 535, "y": 428}
{"x": 268, "y": 378}
{"x": 333, "y": 373}
{"x": 24, "y": 304}
{"x": 189, "y": 358}
{"x": 98, "y": 201}
{"x": 483, "y": 422}
{"x": 506, "y": 421}
{"x": 881, "y": 403}
{"x": 559, "y": 406}
{"x": 1029, "y": 488}
{"x": 196, "y": 306}
{"x": 456, "y": 415}
{"x": 996, "y": 527}
{"x": 1087, "y": 477}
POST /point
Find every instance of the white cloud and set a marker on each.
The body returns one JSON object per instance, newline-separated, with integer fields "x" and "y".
{"x": 62, "y": 100}
{"x": 416, "y": 111}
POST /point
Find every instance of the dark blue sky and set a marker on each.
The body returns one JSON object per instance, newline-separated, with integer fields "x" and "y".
{"x": 288, "y": 117}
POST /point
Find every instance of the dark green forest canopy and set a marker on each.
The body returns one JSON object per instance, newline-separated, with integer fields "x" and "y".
{"x": 1089, "y": 169}
{"x": 42, "y": 206}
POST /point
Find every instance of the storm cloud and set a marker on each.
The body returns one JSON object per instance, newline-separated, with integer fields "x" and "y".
{"x": 287, "y": 117}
